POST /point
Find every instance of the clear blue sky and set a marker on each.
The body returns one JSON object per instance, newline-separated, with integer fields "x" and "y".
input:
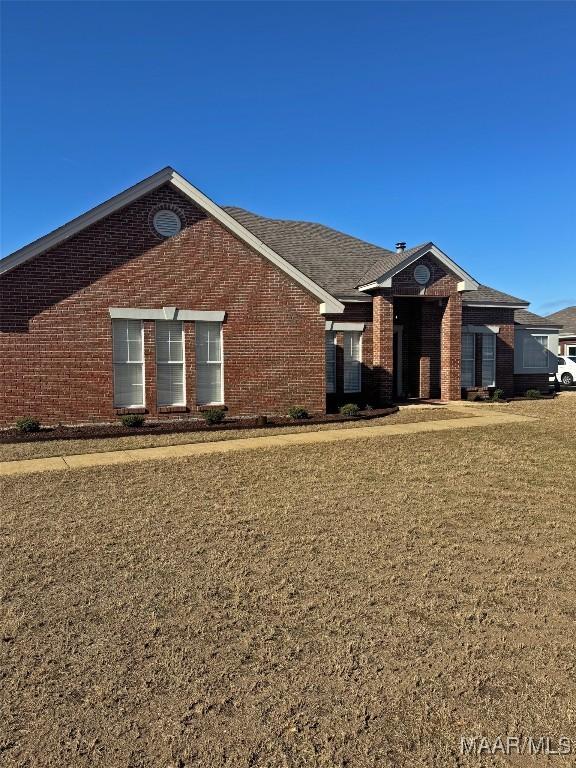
{"x": 451, "y": 122}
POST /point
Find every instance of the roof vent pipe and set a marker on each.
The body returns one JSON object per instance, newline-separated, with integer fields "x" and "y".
{"x": 400, "y": 247}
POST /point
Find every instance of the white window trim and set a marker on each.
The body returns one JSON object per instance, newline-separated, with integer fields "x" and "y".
{"x": 360, "y": 359}
{"x": 143, "y": 364}
{"x": 332, "y": 325}
{"x": 166, "y": 313}
{"x": 569, "y": 347}
{"x": 221, "y": 401}
{"x": 183, "y": 363}
{"x": 546, "y": 348}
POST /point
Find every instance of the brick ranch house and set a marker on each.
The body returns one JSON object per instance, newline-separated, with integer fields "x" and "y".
{"x": 567, "y": 339}
{"x": 161, "y": 302}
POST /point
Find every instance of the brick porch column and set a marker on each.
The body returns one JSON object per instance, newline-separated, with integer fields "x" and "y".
{"x": 451, "y": 349}
{"x": 383, "y": 339}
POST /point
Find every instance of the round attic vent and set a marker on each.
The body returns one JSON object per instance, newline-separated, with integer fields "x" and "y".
{"x": 167, "y": 223}
{"x": 422, "y": 274}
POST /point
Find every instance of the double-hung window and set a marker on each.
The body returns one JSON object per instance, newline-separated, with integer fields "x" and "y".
{"x": 488, "y": 359}
{"x": 209, "y": 378}
{"x": 330, "y": 362}
{"x": 352, "y": 361}
{"x": 128, "y": 357}
{"x": 170, "y": 363}
{"x": 468, "y": 359}
{"x": 535, "y": 352}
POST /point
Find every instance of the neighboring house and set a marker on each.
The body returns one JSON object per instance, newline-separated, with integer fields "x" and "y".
{"x": 535, "y": 348}
{"x": 160, "y": 301}
{"x": 567, "y": 319}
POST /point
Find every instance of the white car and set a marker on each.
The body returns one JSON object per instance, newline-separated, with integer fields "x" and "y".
{"x": 566, "y": 370}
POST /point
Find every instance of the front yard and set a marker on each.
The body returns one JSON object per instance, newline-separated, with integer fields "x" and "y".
{"x": 359, "y": 604}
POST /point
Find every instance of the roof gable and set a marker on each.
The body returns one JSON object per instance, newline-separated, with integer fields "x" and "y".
{"x": 381, "y": 273}
{"x": 168, "y": 175}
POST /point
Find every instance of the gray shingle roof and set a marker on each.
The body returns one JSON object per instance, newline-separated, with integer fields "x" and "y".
{"x": 332, "y": 259}
{"x": 336, "y": 261}
{"x": 523, "y": 317}
{"x": 487, "y": 295}
{"x": 567, "y": 318}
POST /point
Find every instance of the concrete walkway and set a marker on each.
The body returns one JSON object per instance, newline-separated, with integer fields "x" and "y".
{"x": 485, "y": 417}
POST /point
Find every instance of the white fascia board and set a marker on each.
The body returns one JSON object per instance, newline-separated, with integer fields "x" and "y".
{"x": 328, "y": 303}
{"x": 333, "y": 325}
{"x": 566, "y": 335}
{"x": 166, "y": 313}
{"x": 467, "y": 282}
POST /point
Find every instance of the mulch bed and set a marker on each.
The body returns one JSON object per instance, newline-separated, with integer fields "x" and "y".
{"x": 512, "y": 399}
{"x": 91, "y": 432}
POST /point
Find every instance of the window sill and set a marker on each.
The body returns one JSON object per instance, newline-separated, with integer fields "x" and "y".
{"x": 208, "y": 406}
{"x": 172, "y": 409}
{"x": 124, "y": 411}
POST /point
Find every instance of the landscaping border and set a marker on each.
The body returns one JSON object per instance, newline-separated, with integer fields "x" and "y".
{"x": 96, "y": 431}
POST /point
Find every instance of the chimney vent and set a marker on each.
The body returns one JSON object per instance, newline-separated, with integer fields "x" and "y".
{"x": 400, "y": 247}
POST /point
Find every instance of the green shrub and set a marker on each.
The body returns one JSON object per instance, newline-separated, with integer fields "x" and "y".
{"x": 498, "y": 394}
{"x": 297, "y": 412}
{"x": 350, "y": 409}
{"x": 27, "y": 424}
{"x": 533, "y": 394}
{"x": 132, "y": 420}
{"x": 213, "y": 415}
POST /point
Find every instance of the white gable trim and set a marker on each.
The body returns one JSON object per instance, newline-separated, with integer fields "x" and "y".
{"x": 467, "y": 283}
{"x": 328, "y": 303}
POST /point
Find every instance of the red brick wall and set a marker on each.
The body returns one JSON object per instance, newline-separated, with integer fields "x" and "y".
{"x": 55, "y": 330}
{"x": 504, "y": 318}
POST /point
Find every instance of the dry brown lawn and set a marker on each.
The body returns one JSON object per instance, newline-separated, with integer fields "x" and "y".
{"x": 33, "y": 450}
{"x": 359, "y": 604}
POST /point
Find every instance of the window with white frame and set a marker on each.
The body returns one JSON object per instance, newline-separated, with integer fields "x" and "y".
{"x": 352, "y": 361}
{"x": 468, "y": 359}
{"x": 209, "y": 379}
{"x": 128, "y": 358}
{"x": 535, "y": 351}
{"x": 571, "y": 351}
{"x": 170, "y": 362}
{"x": 488, "y": 360}
{"x": 330, "y": 362}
